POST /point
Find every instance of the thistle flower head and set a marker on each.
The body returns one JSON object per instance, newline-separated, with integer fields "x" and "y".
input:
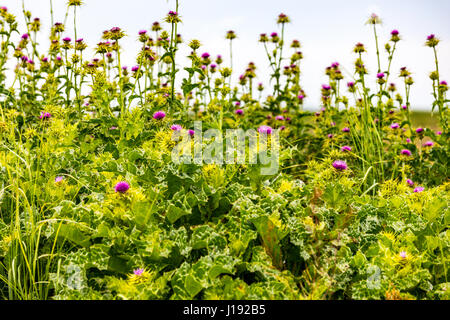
{"x": 122, "y": 187}
{"x": 428, "y": 144}
{"x": 74, "y": 3}
{"x": 176, "y": 127}
{"x": 263, "y": 37}
{"x": 419, "y": 189}
{"x": 406, "y": 152}
{"x": 279, "y": 118}
{"x": 374, "y": 19}
{"x": 265, "y": 130}
{"x": 239, "y": 112}
{"x": 419, "y": 130}
{"x": 346, "y": 129}
{"x": 230, "y": 35}
{"x": 172, "y": 17}
{"x": 45, "y": 115}
{"x": 395, "y": 125}
{"x": 359, "y": 48}
{"x": 346, "y": 148}
{"x": 158, "y": 115}
{"x": 395, "y": 36}
{"x": 59, "y": 179}
{"x": 340, "y": 165}
{"x": 282, "y": 18}
{"x": 410, "y": 182}
{"x": 138, "y": 272}
{"x": 432, "y": 41}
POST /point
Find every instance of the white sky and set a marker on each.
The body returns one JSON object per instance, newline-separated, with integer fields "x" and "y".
{"x": 327, "y": 30}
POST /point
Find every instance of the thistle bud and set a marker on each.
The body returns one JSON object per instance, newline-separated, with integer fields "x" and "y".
{"x": 359, "y": 48}
{"x": 432, "y": 41}
{"x": 230, "y": 35}
{"x": 194, "y": 44}
{"x": 263, "y": 38}
{"x": 282, "y": 19}
{"x": 295, "y": 44}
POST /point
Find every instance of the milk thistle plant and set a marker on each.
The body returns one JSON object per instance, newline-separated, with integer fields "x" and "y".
{"x": 148, "y": 179}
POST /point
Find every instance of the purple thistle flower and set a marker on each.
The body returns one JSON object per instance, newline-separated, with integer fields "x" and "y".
{"x": 439, "y": 133}
{"x": 113, "y": 128}
{"x": 410, "y": 182}
{"x": 45, "y": 115}
{"x": 239, "y": 112}
{"x": 80, "y": 40}
{"x": 419, "y": 189}
{"x": 135, "y": 68}
{"x": 265, "y": 130}
{"x": 59, "y": 179}
{"x": 138, "y": 272}
{"x": 350, "y": 84}
{"x": 431, "y": 37}
{"x": 326, "y": 87}
{"x": 395, "y": 125}
{"x": 301, "y": 97}
{"x": 122, "y": 187}
{"x": 404, "y": 107}
{"x": 330, "y": 135}
{"x": 279, "y": 118}
{"x": 191, "y": 132}
{"x": 346, "y": 148}
{"x": 205, "y": 55}
{"x": 406, "y": 152}
{"x": 443, "y": 83}
{"x": 419, "y": 130}
{"x": 340, "y": 165}
{"x": 380, "y": 75}
{"x": 428, "y": 144}
{"x": 67, "y": 39}
{"x": 176, "y": 127}
{"x": 408, "y": 140}
{"x": 394, "y": 32}
{"x": 274, "y": 34}
{"x": 282, "y": 128}
{"x": 346, "y": 129}
{"x": 403, "y": 255}
{"x": 25, "y": 36}
{"x": 159, "y": 115}
{"x": 142, "y": 32}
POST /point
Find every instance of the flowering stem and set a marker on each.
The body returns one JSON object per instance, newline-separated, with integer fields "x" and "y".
{"x": 389, "y": 65}
{"x": 51, "y": 11}
{"x": 119, "y": 66}
{"x": 378, "y": 51}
